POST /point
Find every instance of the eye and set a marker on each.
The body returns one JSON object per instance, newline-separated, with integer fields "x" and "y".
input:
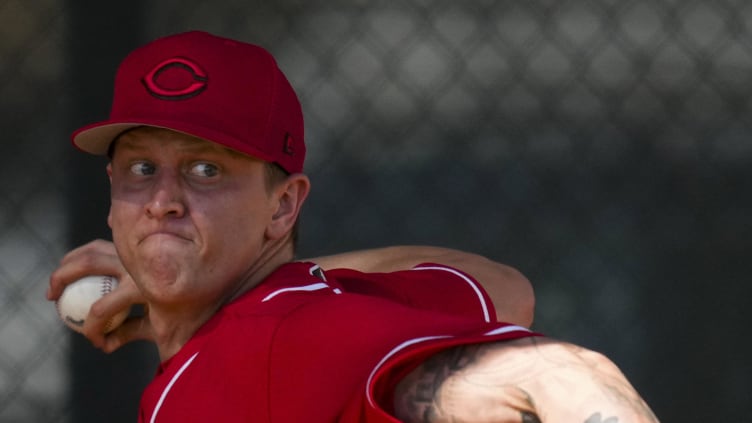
{"x": 205, "y": 170}
{"x": 142, "y": 168}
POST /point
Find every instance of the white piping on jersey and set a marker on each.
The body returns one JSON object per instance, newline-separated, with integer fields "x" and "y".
{"x": 312, "y": 287}
{"x": 402, "y": 346}
{"x": 507, "y": 329}
{"x": 169, "y": 386}
{"x": 394, "y": 351}
{"x": 472, "y": 283}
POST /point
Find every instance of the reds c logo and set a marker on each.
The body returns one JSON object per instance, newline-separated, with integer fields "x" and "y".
{"x": 175, "y": 79}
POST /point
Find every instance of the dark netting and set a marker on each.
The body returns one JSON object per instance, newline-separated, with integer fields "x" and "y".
{"x": 601, "y": 147}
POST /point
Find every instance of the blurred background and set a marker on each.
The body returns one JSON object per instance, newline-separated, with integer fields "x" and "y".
{"x": 600, "y": 147}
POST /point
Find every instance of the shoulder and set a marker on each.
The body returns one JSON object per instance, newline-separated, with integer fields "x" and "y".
{"x": 426, "y": 286}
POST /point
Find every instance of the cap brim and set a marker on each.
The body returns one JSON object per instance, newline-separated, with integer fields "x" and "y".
{"x": 96, "y": 138}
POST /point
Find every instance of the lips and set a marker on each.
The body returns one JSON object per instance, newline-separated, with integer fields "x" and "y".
{"x": 165, "y": 234}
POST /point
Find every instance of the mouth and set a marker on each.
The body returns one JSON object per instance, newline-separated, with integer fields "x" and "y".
{"x": 163, "y": 235}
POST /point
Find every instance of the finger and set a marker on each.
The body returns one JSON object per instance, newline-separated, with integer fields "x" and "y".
{"x": 133, "y": 329}
{"x": 96, "y": 257}
{"x": 92, "y": 249}
{"x": 101, "y": 313}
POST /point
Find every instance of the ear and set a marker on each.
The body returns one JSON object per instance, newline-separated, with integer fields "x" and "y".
{"x": 289, "y": 197}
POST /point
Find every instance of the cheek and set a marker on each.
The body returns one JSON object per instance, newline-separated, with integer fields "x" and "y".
{"x": 123, "y": 219}
{"x": 124, "y": 202}
{"x": 236, "y": 221}
{"x": 116, "y": 219}
{"x": 113, "y": 217}
{"x": 119, "y": 210}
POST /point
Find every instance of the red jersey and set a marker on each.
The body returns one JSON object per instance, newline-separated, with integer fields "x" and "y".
{"x": 308, "y": 347}
{"x": 427, "y": 286}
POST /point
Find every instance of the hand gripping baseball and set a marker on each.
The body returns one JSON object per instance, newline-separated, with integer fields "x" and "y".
{"x": 100, "y": 258}
{"x": 75, "y": 302}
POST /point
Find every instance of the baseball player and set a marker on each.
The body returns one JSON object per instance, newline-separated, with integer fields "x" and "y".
{"x": 205, "y": 140}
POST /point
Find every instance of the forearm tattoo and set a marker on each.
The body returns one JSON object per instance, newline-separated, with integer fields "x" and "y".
{"x": 417, "y": 399}
{"x": 528, "y": 417}
{"x": 446, "y": 387}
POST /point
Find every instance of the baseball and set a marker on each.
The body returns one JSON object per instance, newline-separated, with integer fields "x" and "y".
{"x": 74, "y": 304}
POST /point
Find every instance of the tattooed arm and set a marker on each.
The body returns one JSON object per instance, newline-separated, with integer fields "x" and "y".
{"x": 526, "y": 380}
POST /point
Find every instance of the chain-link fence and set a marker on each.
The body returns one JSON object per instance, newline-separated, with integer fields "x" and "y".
{"x": 601, "y": 147}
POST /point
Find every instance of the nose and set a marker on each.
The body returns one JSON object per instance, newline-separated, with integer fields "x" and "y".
{"x": 167, "y": 198}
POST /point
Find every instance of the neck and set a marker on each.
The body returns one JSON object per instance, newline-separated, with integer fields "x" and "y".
{"x": 173, "y": 326}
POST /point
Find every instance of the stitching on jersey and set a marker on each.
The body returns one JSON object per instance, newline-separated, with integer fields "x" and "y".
{"x": 473, "y": 284}
{"x": 169, "y": 387}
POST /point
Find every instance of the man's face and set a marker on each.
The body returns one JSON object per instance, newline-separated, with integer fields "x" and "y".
{"x": 189, "y": 218}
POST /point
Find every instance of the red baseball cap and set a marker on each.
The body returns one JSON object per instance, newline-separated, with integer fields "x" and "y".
{"x": 222, "y": 90}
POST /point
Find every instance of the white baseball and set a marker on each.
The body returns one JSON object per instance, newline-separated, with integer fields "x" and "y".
{"x": 74, "y": 304}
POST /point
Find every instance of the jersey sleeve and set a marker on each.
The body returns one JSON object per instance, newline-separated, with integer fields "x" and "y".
{"x": 428, "y": 286}
{"x": 376, "y": 403}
